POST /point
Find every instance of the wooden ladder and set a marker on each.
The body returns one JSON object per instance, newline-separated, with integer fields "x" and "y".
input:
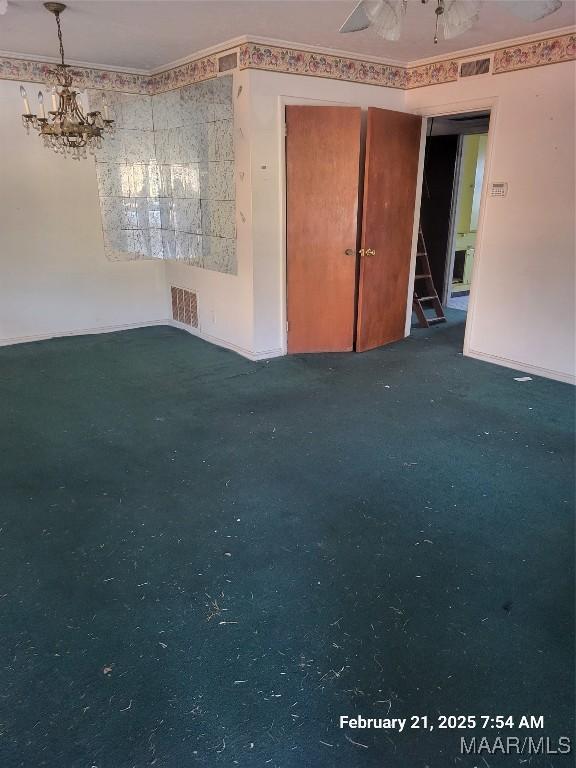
{"x": 424, "y": 290}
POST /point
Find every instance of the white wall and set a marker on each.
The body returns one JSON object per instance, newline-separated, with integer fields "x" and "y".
{"x": 269, "y": 92}
{"x": 54, "y": 277}
{"x": 522, "y": 304}
{"x": 522, "y": 300}
{"x": 246, "y": 312}
{"x": 225, "y": 302}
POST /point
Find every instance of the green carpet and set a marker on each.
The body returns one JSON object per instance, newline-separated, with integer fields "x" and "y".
{"x": 206, "y": 561}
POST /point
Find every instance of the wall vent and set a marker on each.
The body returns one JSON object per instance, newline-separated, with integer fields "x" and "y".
{"x": 477, "y": 67}
{"x": 229, "y": 61}
{"x": 184, "y": 306}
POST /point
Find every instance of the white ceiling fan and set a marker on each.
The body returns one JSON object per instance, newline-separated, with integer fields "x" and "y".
{"x": 453, "y": 17}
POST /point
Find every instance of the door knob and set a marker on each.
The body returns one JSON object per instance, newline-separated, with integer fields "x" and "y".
{"x": 349, "y": 252}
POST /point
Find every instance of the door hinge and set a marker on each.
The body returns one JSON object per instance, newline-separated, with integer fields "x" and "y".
{"x": 287, "y": 326}
{"x": 285, "y": 129}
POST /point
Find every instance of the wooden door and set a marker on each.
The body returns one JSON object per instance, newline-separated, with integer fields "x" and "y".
{"x": 322, "y": 186}
{"x": 390, "y": 172}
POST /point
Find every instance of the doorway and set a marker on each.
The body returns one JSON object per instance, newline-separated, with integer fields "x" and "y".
{"x": 452, "y": 188}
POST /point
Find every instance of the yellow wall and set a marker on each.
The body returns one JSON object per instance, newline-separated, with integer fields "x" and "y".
{"x": 467, "y": 178}
{"x": 470, "y": 189}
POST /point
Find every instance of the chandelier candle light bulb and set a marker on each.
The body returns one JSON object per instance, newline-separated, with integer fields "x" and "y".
{"x": 41, "y": 102}
{"x": 27, "y": 110}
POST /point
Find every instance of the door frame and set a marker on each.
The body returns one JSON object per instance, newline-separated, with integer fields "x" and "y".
{"x": 454, "y": 212}
{"x": 490, "y": 104}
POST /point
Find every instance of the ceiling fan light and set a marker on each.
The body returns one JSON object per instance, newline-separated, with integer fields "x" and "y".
{"x": 458, "y": 17}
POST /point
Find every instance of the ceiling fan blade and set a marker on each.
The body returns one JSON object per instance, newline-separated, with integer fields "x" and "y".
{"x": 386, "y": 18}
{"x": 532, "y": 10}
{"x": 383, "y": 16}
{"x": 458, "y": 17}
{"x": 357, "y": 20}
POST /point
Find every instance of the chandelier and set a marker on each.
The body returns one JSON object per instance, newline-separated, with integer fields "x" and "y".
{"x": 68, "y": 130}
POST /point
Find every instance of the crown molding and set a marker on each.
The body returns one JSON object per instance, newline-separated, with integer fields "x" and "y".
{"x": 236, "y": 42}
{"x": 537, "y": 53}
{"x": 470, "y": 53}
{"x": 283, "y": 57}
{"x": 28, "y": 71}
{"x": 321, "y": 50}
{"x": 74, "y": 63}
{"x": 214, "y": 50}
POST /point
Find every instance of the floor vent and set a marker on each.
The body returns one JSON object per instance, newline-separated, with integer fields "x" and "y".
{"x": 229, "y": 61}
{"x": 478, "y": 67}
{"x": 184, "y": 306}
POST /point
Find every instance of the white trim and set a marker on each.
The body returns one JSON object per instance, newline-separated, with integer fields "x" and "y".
{"x": 73, "y": 63}
{"x": 454, "y": 214}
{"x": 489, "y": 48}
{"x": 415, "y": 226}
{"x": 451, "y": 108}
{"x": 265, "y": 354}
{"x": 478, "y": 246}
{"x": 282, "y": 101}
{"x": 356, "y": 56}
{"x": 269, "y": 353}
{"x": 215, "y": 50}
{"x": 80, "y": 332}
{"x": 456, "y": 107}
{"x": 517, "y": 365}
{"x": 236, "y": 42}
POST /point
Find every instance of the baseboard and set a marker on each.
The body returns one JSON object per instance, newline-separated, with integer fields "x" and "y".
{"x": 80, "y": 332}
{"x": 524, "y": 367}
{"x": 267, "y": 354}
{"x": 247, "y": 353}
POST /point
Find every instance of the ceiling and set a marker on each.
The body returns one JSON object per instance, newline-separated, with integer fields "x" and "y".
{"x": 147, "y": 34}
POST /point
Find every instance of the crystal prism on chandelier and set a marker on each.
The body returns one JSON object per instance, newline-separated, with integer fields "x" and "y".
{"x": 67, "y": 129}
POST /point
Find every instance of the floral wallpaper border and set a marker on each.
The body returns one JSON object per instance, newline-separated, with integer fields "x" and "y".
{"x": 186, "y": 74}
{"x": 103, "y": 79}
{"x": 84, "y": 77}
{"x": 536, "y": 54}
{"x": 432, "y": 74}
{"x": 293, "y": 61}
